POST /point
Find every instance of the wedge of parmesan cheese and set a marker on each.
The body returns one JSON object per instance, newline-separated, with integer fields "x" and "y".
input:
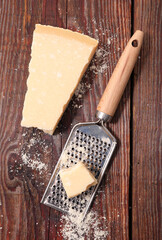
{"x": 59, "y": 58}
{"x": 77, "y": 179}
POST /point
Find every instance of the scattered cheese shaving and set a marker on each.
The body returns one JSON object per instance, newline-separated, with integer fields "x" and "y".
{"x": 93, "y": 227}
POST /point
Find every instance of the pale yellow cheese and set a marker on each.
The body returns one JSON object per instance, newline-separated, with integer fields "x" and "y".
{"x": 76, "y": 179}
{"x": 59, "y": 58}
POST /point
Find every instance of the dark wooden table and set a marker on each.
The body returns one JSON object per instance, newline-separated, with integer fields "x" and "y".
{"x": 129, "y": 195}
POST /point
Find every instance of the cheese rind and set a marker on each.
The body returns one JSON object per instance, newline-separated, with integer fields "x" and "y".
{"x": 77, "y": 179}
{"x": 59, "y": 60}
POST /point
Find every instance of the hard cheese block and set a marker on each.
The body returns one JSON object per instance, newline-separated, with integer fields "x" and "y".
{"x": 59, "y": 58}
{"x": 77, "y": 179}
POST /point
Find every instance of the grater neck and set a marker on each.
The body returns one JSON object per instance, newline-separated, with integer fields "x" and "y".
{"x": 103, "y": 116}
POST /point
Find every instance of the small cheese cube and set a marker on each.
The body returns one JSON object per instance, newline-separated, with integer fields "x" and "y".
{"x": 77, "y": 179}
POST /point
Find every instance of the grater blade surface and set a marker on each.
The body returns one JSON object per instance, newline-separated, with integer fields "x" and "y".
{"x": 92, "y": 144}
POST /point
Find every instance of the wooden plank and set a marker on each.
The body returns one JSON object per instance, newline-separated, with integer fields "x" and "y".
{"x": 60, "y": 133}
{"x": 27, "y": 156}
{"x": 109, "y": 22}
{"x": 146, "y": 125}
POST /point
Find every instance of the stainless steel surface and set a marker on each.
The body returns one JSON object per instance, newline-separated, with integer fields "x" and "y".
{"x": 103, "y": 116}
{"x": 92, "y": 144}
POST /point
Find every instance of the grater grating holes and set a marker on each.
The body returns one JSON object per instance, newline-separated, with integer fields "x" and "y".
{"x": 93, "y": 154}
{"x": 100, "y": 148}
{"x": 93, "y": 139}
{"x": 95, "y": 161}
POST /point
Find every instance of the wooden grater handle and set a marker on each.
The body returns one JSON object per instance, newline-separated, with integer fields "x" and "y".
{"x": 119, "y": 79}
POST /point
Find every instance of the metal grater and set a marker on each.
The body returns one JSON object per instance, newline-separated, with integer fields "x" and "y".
{"x": 94, "y": 150}
{"x": 91, "y": 142}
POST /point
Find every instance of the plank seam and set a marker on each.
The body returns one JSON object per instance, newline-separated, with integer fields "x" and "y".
{"x": 66, "y": 12}
{"x": 131, "y": 134}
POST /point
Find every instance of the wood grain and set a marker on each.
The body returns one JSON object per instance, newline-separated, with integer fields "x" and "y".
{"x": 22, "y": 181}
{"x": 113, "y": 33}
{"x": 22, "y": 185}
{"x": 146, "y": 125}
{"x": 61, "y": 132}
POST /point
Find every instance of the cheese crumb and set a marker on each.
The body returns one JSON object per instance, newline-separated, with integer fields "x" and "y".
{"x": 73, "y": 228}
